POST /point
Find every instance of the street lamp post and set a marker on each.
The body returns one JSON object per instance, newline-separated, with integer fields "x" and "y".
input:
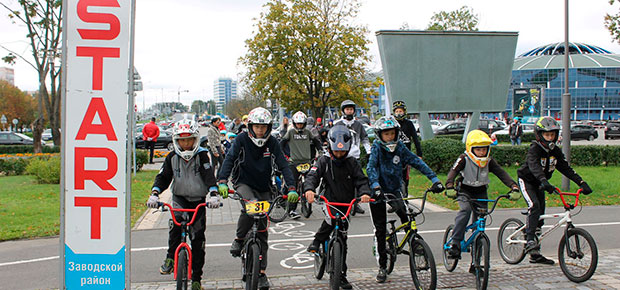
{"x": 549, "y": 111}
{"x": 179, "y": 91}
{"x": 602, "y": 112}
{"x": 588, "y": 110}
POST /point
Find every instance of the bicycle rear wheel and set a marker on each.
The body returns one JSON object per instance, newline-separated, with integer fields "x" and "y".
{"x": 515, "y": 252}
{"x": 252, "y": 267}
{"x": 481, "y": 260}
{"x": 336, "y": 259}
{"x": 422, "y": 265}
{"x": 579, "y": 259}
{"x": 319, "y": 262}
{"x": 181, "y": 274}
{"x": 391, "y": 252}
{"x": 449, "y": 263}
{"x": 279, "y": 210}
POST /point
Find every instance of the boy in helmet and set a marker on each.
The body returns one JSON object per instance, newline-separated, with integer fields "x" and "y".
{"x": 474, "y": 166}
{"x": 343, "y": 177}
{"x": 190, "y": 168}
{"x": 302, "y": 146}
{"x": 542, "y": 159}
{"x": 252, "y": 160}
{"x": 388, "y": 156}
{"x": 359, "y": 136}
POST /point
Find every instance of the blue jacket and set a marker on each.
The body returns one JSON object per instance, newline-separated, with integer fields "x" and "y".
{"x": 385, "y": 168}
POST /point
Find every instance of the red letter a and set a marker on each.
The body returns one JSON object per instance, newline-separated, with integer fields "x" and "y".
{"x": 96, "y": 106}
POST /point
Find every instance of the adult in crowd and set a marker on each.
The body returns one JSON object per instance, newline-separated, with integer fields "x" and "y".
{"x": 283, "y": 127}
{"x": 215, "y": 144}
{"x": 150, "y": 132}
{"x": 515, "y": 131}
{"x": 407, "y": 134}
{"x": 234, "y": 125}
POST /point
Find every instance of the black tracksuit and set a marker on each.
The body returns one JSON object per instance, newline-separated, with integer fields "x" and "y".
{"x": 539, "y": 165}
{"x": 407, "y": 134}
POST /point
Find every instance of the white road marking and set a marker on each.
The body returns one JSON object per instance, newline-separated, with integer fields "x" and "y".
{"x": 282, "y": 241}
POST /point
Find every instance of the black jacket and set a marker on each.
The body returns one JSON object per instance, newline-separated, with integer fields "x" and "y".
{"x": 252, "y": 165}
{"x": 341, "y": 181}
{"x": 540, "y": 164}
{"x": 164, "y": 178}
{"x": 407, "y": 128}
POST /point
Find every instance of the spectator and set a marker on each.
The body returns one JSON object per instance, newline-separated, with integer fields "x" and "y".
{"x": 234, "y": 126}
{"x": 244, "y": 126}
{"x": 215, "y": 144}
{"x": 150, "y": 132}
{"x": 515, "y": 132}
{"x": 283, "y": 127}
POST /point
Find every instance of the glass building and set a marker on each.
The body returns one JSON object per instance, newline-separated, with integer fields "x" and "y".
{"x": 224, "y": 90}
{"x": 594, "y": 80}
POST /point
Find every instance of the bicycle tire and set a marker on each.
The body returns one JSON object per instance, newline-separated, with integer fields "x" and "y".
{"x": 306, "y": 207}
{"x": 319, "y": 262}
{"x": 511, "y": 253}
{"x": 482, "y": 258}
{"x": 391, "y": 252}
{"x": 252, "y": 267}
{"x": 574, "y": 235}
{"x": 422, "y": 265}
{"x": 337, "y": 262}
{"x": 450, "y": 264}
{"x": 279, "y": 210}
{"x": 181, "y": 275}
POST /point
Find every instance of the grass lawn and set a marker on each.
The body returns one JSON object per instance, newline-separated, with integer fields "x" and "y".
{"x": 29, "y": 210}
{"x": 603, "y": 180}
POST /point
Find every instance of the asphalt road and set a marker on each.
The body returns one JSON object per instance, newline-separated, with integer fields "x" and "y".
{"x": 34, "y": 264}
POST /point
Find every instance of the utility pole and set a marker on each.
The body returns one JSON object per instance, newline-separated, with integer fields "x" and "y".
{"x": 566, "y": 102}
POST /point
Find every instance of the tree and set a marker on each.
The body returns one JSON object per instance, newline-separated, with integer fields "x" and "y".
{"x": 612, "y": 23}
{"x": 462, "y": 19}
{"x": 199, "y": 106}
{"x": 211, "y": 107}
{"x": 308, "y": 55}
{"x": 243, "y": 105}
{"x": 43, "y": 21}
{"x": 15, "y": 104}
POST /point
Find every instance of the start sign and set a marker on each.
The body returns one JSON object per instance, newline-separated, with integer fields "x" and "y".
{"x": 97, "y": 56}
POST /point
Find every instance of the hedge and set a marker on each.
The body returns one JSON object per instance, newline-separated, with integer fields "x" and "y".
{"x": 45, "y": 170}
{"x": 13, "y": 149}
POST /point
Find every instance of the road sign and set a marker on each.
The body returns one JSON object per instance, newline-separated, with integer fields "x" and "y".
{"x": 15, "y": 121}
{"x": 94, "y": 191}
{"x": 3, "y": 119}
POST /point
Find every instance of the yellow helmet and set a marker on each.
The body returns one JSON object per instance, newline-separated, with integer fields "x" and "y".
{"x": 477, "y": 138}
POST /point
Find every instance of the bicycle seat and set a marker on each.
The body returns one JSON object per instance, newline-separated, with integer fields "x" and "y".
{"x": 482, "y": 211}
{"x": 391, "y": 222}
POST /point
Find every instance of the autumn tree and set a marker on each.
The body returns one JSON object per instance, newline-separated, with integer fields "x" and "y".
{"x": 15, "y": 104}
{"x": 612, "y": 23}
{"x": 43, "y": 22}
{"x": 198, "y": 106}
{"x": 308, "y": 55}
{"x": 462, "y": 19}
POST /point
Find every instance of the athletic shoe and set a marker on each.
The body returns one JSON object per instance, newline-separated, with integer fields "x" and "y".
{"x": 314, "y": 246}
{"x": 167, "y": 266}
{"x": 382, "y": 275}
{"x": 263, "y": 282}
{"x": 235, "y": 248}
{"x": 196, "y": 285}
{"x": 294, "y": 215}
{"x": 344, "y": 283}
{"x": 540, "y": 259}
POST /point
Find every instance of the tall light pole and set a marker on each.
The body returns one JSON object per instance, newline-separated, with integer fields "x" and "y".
{"x": 588, "y": 110}
{"x": 179, "y": 91}
{"x": 566, "y": 102}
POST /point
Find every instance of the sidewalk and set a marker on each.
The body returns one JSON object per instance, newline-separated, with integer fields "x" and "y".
{"x": 503, "y": 276}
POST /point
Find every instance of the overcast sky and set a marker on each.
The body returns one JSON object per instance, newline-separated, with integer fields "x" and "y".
{"x": 185, "y": 45}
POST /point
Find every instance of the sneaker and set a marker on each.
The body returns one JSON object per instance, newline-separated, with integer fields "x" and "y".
{"x": 167, "y": 266}
{"x": 294, "y": 215}
{"x": 382, "y": 275}
{"x": 344, "y": 283}
{"x": 359, "y": 209}
{"x": 263, "y": 282}
{"x": 196, "y": 285}
{"x": 472, "y": 270}
{"x": 531, "y": 246}
{"x": 235, "y": 248}
{"x": 540, "y": 259}
{"x": 454, "y": 252}
{"x": 314, "y": 246}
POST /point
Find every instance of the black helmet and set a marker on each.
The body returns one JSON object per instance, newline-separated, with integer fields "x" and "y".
{"x": 347, "y": 103}
{"x": 546, "y": 124}
{"x": 399, "y": 105}
{"x": 339, "y": 138}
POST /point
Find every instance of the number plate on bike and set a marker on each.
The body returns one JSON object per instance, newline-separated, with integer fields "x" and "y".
{"x": 257, "y": 207}
{"x": 303, "y": 167}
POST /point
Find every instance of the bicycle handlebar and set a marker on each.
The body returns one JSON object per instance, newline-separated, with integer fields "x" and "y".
{"x": 348, "y": 205}
{"x": 494, "y": 201}
{"x": 409, "y": 198}
{"x": 173, "y": 210}
{"x": 562, "y": 194}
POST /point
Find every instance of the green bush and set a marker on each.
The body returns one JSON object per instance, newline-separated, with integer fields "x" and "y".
{"x": 457, "y": 137}
{"x": 142, "y": 157}
{"x": 13, "y": 166}
{"x": 46, "y": 170}
{"x": 441, "y": 153}
{"x": 14, "y": 149}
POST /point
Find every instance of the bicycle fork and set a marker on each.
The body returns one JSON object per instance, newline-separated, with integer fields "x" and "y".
{"x": 569, "y": 251}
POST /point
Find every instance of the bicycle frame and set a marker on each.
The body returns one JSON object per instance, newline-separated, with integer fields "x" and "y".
{"x": 410, "y": 228}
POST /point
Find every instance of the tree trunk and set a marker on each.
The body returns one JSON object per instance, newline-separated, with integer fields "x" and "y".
{"x": 55, "y": 118}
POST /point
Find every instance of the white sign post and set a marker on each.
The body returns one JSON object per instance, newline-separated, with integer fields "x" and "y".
{"x": 97, "y": 61}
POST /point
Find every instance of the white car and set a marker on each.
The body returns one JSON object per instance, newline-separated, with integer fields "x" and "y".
{"x": 527, "y": 128}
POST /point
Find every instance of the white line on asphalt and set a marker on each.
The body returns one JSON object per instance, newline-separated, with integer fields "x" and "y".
{"x": 283, "y": 240}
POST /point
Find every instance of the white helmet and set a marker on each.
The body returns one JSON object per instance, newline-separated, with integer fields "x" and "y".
{"x": 300, "y": 118}
{"x": 259, "y": 116}
{"x": 185, "y": 129}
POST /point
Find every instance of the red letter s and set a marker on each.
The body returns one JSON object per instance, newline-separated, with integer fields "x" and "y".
{"x": 111, "y": 19}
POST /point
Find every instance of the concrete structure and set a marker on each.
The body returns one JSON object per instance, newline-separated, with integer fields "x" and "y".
{"x": 7, "y": 74}
{"x": 224, "y": 90}
{"x": 594, "y": 80}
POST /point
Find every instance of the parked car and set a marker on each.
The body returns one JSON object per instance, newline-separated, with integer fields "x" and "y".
{"x": 489, "y": 126}
{"x": 599, "y": 124}
{"x": 453, "y": 128}
{"x": 612, "y": 130}
{"x": 583, "y": 132}
{"x": 14, "y": 138}
{"x": 527, "y": 128}
{"x": 46, "y": 135}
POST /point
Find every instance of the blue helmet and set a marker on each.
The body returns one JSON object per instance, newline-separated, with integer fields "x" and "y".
{"x": 339, "y": 138}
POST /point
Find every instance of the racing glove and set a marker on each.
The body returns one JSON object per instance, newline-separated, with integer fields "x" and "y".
{"x": 222, "y": 188}
{"x": 515, "y": 194}
{"x": 585, "y": 188}
{"x": 378, "y": 194}
{"x": 437, "y": 187}
{"x": 213, "y": 202}
{"x": 293, "y": 196}
{"x": 152, "y": 202}
{"x": 546, "y": 186}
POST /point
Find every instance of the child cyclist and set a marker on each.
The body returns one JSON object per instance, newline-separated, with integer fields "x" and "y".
{"x": 388, "y": 156}
{"x": 474, "y": 166}
{"x": 302, "y": 146}
{"x": 252, "y": 159}
{"x": 190, "y": 168}
{"x": 542, "y": 159}
{"x": 343, "y": 177}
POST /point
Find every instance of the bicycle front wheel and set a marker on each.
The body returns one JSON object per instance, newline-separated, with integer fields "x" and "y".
{"x": 306, "y": 207}
{"x": 319, "y": 262}
{"x": 579, "y": 258}
{"x": 252, "y": 267}
{"x": 481, "y": 260}
{"x": 279, "y": 210}
{"x": 448, "y": 262}
{"x": 514, "y": 252}
{"x": 336, "y": 260}
{"x": 422, "y": 265}
{"x": 181, "y": 274}
{"x": 390, "y": 248}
